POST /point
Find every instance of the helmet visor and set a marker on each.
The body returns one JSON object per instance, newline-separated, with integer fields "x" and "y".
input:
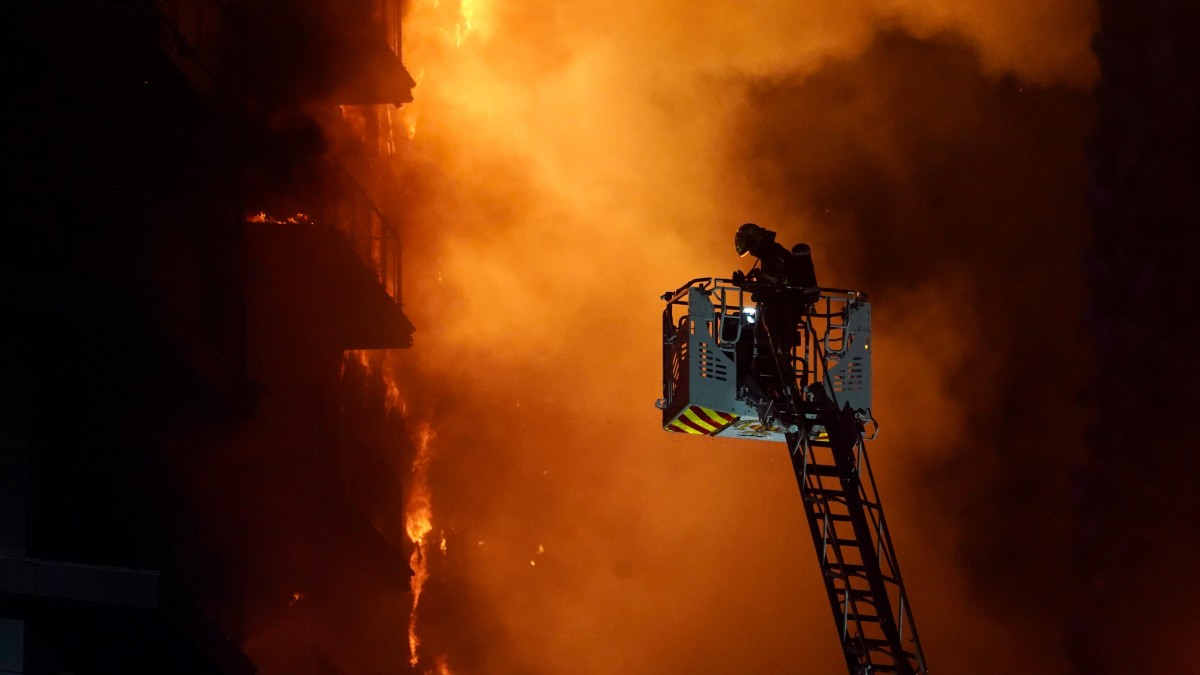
{"x": 743, "y": 241}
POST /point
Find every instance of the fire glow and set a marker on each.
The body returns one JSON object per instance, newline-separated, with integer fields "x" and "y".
{"x": 419, "y": 523}
{"x": 418, "y": 506}
{"x": 262, "y": 217}
{"x": 600, "y": 151}
{"x": 466, "y": 12}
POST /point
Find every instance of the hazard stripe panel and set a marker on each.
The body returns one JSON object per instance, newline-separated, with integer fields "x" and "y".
{"x": 679, "y": 427}
{"x": 699, "y": 420}
{"x": 691, "y": 416}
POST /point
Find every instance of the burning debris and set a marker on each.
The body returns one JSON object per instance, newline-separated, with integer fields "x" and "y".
{"x": 262, "y": 217}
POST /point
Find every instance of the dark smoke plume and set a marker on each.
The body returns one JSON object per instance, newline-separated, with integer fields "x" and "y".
{"x": 957, "y": 199}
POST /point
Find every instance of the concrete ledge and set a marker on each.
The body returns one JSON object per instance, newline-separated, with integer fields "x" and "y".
{"x": 118, "y": 586}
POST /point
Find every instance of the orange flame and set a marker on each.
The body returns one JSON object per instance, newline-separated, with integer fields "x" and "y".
{"x": 465, "y": 13}
{"x": 358, "y": 355}
{"x": 409, "y": 118}
{"x": 392, "y": 398}
{"x": 418, "y": 512}
{"x": 262, "y": 217}
{"x": 419, "y": 523}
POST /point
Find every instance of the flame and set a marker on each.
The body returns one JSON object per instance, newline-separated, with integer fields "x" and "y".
{"x": 449, "y": 25}
{"x": 390, "y": 131}
{"x": 262, "y": 217}
{"x": 411, "y": 112}
{"x": 409, "y": 118}
{"x": 419, "y": 523}
{"x": 618, "y": 121}
{"x": 392, "y": 398}
{"x": 418, "y": 512}
{"x": 466, "y": 12}
{"x": 358, "y": 355}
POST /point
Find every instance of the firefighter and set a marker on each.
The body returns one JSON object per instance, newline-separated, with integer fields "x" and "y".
{"x": 784, "y": 284}
{"x": 777, "y": 264}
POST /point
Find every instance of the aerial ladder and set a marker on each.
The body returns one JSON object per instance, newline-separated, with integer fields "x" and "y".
{"x": 764, "y": 362}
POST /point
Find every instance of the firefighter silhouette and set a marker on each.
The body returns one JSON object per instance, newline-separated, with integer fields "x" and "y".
{"x": 784, "y": 284}
{"x": 777, "y": 265}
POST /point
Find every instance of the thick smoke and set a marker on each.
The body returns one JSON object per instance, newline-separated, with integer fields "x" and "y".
{"x": 578, "y": 160}
{"x": 957, "y": 200}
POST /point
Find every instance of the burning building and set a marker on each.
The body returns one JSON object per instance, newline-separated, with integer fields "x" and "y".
{"x": 198, "y": 237}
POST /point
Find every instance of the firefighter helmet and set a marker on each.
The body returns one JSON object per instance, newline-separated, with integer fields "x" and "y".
{"x": 750, "y": 237}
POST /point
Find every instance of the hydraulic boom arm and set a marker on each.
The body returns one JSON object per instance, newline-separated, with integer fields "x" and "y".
{"x": 858, "y": 565}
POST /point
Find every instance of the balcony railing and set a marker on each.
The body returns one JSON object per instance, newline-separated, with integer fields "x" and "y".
{"x": 371, "y": 235}
{"x": 364, "y": 227}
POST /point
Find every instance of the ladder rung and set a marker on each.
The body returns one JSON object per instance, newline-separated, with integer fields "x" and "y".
{"x": 825, "y": 493}
{"x": 822, "y": 469}
{"x": 856, "y": 572}
{"x": 870, "y": 618}
{"x": 864, "y": 595}
{"x": 876, "y": 643}
{"x": 839, "y": 517}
